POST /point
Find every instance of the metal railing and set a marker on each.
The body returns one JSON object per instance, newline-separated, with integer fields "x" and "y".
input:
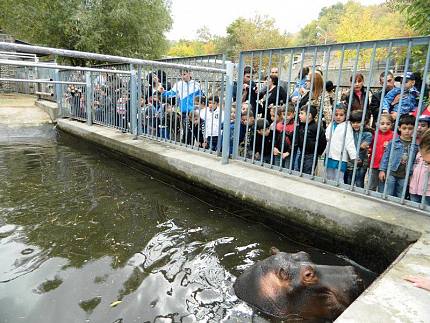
{"x": 294, "y": 121}
{"x": 326, "y": 133}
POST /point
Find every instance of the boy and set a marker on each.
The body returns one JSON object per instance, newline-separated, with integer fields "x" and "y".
{"x": 263, "y": 141}
{"x": 307, "y": 154}
{"x": 213, "y": 118}
{"x": 246, "y": 136}
{"x": 409, "y": 100}
{"x": 403, "y": 150}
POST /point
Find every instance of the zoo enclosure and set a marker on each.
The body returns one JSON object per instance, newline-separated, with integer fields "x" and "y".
{"x": 78, "y": 91}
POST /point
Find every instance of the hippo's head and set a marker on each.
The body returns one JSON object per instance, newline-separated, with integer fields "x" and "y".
{"x": 290, "y": 286}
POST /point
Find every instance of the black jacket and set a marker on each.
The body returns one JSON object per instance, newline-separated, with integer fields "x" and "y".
{"x": 311, "y": 138}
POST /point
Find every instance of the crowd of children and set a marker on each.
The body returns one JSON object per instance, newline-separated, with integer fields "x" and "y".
{"x": 348, "y": 140}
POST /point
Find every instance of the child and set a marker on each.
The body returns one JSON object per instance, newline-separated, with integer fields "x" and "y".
{"x": 246, "y": 137}
{"x": 363, "y": 145}
{"x": 284, "y": 129}
{"x": 197, "y": 129}
{"x": 403, "y": 150}
{"x": 420, "y": 171}
{"x": 263, "y": 141}
{"x": 213, "y": 118}
{"x": 385, "y": 134}
{"x": 338, "y": 131}
{"x": 307, "y": 154}
{"x": 409, "y": 101}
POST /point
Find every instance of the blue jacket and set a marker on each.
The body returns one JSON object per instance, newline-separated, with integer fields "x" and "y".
{"x": 397, "y": 155}
{"x": 409, "y": 101}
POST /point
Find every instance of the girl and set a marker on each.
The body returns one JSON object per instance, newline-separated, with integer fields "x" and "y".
{"x": 336, "y": 133}
{"x": 282, "y": 144}
{"x": 363, "y": 146}
{"x": 385, "y": 134}
{"x": 420, "y": 172}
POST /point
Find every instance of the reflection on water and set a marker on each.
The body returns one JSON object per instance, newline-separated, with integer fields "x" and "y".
{"x": 85, "y": 238}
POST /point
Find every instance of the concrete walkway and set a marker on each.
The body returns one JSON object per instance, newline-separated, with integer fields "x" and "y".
{"x": 21, "y": 110}
{"x": 385, "y": 229}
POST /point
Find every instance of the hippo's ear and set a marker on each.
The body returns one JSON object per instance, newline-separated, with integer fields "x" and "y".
{"x": 274, "y": 251}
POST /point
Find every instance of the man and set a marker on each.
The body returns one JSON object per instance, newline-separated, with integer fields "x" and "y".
{"x": 185, "y": 90}
{"x": 248, "y": 90}
{"x": 376, "y": 97}
{"x": 274, "y": 71}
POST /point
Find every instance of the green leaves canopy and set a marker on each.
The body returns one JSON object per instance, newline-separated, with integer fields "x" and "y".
{"x": 133, "y": 28}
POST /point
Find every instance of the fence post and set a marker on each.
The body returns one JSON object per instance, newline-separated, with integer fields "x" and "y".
{"x": 88, "y": 98}
{"x": 227, "y": 112}
{"x": 139, "y": 98}
{"x": 133, "y": 100}
{"x": 58, "y": 92}
{"x": 239, "y": 105}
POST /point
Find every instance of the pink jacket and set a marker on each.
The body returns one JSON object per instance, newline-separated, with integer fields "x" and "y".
{"x": 418, "y": 177}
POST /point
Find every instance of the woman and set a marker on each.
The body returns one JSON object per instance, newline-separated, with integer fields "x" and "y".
{"x": 316, "y": 96}
{"x": 358, "y": 95}
{"x": 275, "y": 95}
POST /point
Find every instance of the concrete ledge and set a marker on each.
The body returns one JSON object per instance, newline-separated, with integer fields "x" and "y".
{"x": 51, "y": 108}
{"x": 382, "y": 227}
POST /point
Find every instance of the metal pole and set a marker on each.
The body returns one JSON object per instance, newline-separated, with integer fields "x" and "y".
{"x": 227, "y": 112}
{"x": 133, "y": 100}
{"x": 88, "y": 98}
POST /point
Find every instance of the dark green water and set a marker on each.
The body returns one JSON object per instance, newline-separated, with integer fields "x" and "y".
{"x": 81, "y": 232}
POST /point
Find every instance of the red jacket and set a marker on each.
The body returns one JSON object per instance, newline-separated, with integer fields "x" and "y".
{"x": 379, "y": 150}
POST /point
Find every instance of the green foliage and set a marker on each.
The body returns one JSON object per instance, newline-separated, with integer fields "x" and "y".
{"x": 417, "y": 13}
{"x": 257, "y": 33}
{"x": 133, "y": 28}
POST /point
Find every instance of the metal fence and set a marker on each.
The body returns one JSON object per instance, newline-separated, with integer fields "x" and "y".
{"x": 301, "y": 119}
{"x": 290, "y": 109}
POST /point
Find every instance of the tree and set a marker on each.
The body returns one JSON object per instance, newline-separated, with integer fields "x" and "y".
{"x": 417, "y": 13}
{"x": 256, "y": 33}
{"x": 133, "y": 28}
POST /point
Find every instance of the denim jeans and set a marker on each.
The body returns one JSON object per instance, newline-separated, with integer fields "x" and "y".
{"x": 394, "y": 186}
{"x": 307, "y": 163}
{"x": 417, "y": 198}
{"x": 359, "y": 176}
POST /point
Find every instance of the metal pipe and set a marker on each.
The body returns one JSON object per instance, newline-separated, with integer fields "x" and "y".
{"x": 62, "y": 67}
{"x": 100, "y": 57}
{"x": 44, "y": 93}
{"x": 39, "y": 81}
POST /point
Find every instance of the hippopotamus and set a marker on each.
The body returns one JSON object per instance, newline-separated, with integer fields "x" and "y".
{"x": 290, "y": 286}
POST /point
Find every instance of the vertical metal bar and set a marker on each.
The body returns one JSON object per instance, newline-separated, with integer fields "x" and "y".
{"x": 139, "y": 99}
{"x": 88, "y": 97}
{"x": 238, "y": 105}
{"x": 396, "y": 124}
{"x": 303, "y": 152}
{"x": 363, "y": 117}
{"x": 133, "y": 100}
{"x": 266, "y": 107}
{"x": 286, "y": 111}
{"x": 296, "y": 116}
{"x": 58, "y": 92}
{"x": 414, "y": 137}
{"x": 375, "y": 139}
{"x": 333, "y": 112}
{"x": 228, "y": 99}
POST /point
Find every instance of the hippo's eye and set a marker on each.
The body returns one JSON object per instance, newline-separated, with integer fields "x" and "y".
{"x": 283, "y": 274}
